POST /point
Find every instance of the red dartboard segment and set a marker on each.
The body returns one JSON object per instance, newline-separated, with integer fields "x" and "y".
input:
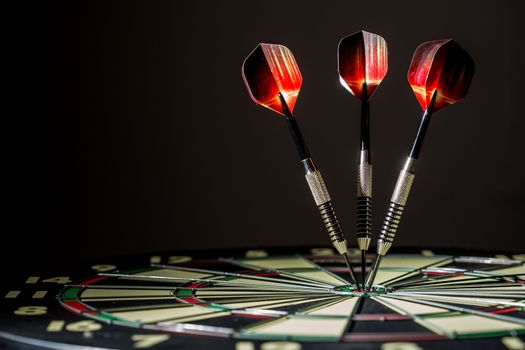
{"x": 440, "y": 65}
{"x": 94, "y": 280}
{"x": 362, "y": 58}
{"x": 76, "y": 307}
{"x": 268, "y": 70}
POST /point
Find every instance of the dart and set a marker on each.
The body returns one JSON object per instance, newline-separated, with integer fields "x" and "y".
{"x": 440, "y": 74}
{"x": 273, "y": 80}
{"x": 363, "y": 63}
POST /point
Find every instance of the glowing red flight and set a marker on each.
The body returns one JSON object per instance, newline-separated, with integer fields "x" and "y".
{"x": 362, "y": 58}
{"x": 440, "y": 65}
{"x": 268, "y": 70}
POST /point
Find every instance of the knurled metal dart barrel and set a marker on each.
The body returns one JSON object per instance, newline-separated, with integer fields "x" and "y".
{"x": 440, "y": 75}
{"x": 273, "y": 80}
{"x": 363, "y": 63}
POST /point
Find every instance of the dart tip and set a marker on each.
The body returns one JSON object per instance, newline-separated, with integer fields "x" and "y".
{"x": 352, "y": 273}
{"x": 373, "y": 272}
{"x": 363, "y": 268}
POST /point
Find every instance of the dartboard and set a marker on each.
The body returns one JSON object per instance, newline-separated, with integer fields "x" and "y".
{"x": 269, "y": 299}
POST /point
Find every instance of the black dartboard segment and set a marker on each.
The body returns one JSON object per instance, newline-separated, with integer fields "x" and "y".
{"x": 271, "y": 299}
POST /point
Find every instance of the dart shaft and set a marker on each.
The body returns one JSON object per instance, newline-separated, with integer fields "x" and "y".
{"x": 297, "y": 136}
{"x": 365, "y": 122}
{"x": 421, "y": 132}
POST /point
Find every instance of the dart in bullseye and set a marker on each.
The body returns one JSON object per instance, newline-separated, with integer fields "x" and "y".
{"x": 440, "y": 74}
{"x": 273, "y": 80}
{"x": 363, "y": 63}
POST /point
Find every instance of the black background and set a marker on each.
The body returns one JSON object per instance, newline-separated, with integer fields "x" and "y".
{"x": 147, "y": 140}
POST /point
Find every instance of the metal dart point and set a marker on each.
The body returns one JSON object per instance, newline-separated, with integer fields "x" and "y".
{"x": 373, "y": 272}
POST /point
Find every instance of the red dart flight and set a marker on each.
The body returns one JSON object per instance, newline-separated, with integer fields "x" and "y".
{"x": 363, "y": 59}
{"x": 440, "y": 65}
{"x": 268, "y": 70}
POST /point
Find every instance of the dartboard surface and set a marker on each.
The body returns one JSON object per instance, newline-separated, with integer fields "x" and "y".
{"x": 269, "y": 299}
